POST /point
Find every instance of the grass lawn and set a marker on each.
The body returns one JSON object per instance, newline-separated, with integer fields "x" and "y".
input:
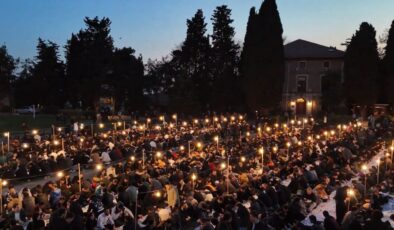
{"x": 13, "y": 122}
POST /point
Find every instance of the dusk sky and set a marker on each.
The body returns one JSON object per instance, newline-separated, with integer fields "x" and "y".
{"x": 155, "y": 27}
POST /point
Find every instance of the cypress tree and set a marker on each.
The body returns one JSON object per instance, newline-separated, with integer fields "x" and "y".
{"x": 263, "y": 58}
{"x": 361, "y": 67}
{"x": 388, "y": 63}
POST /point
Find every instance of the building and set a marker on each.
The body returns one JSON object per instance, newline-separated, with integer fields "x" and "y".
{"x": 306, "y": 64}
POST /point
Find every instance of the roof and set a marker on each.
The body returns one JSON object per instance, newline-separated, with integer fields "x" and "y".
{"x": 305, "y": 49}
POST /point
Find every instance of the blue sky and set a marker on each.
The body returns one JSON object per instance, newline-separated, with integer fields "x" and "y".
{"x": 155, "y": 27}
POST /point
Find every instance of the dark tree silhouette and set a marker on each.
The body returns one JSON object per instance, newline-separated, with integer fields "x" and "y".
{"x": 388, "y": 63}
{"x": 361, "y": 67}
{"x": 47, "y": 76}
{"x": 263, "y": 58}
{"x": 228, "y": 92}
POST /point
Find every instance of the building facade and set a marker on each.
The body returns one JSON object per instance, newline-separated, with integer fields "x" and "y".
{"x": 306, "y": 64}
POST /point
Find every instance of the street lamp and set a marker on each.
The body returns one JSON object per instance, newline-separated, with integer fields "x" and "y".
{"x": 7, "y": 134}
{"x": 350, "y": 194}
{"x": 216, "y": 138}
{"x": 261, "y": 151}
{"x": 364, "y": 168}
{"x": 2, "y": 184}
{"x": 378, "y": 164}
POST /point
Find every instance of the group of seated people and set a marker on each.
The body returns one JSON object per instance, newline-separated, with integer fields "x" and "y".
{"x": 200, "y": 177}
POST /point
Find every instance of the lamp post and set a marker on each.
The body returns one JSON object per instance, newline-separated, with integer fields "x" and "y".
{"x": 392, "y": 150}
{"x": 216, "y": 138}
{"x": 2, "y": 183}
{"x": 261, "y": 151}
{"x": 193, "y": 177}
{"x": 288, "y": 144}
{"x": 350, "y": 194}
{"x": 175, "y": 117}
{"x": 378, "y": 163}
{"x": 365, "y": 168}
{"x": 7, "y": 134}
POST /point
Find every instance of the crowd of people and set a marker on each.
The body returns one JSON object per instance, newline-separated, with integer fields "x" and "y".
{"x": 224, "y": 172}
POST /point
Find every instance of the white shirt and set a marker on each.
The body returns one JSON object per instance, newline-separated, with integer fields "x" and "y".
{"x": 103, "y": 220}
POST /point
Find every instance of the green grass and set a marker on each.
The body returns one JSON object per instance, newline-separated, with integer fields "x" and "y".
{"x": 13, "y": 122}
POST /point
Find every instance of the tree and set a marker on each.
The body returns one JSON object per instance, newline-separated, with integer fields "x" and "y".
{"x": 224, "y": 59}
{"x": 263, "y": 58}
{"x": 7, "y": 68}
{"x": 361, "y": 67}
{"x": 48, "y": 76}
{"x": 23, "y": 84}
{"x": 127, "y": 78}
{"x": 193, "y": 60}
{"x": 89, "y": 57}
{"x": 388, "y": 63}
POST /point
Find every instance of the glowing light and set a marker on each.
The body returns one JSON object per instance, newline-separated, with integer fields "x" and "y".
{"x": 199, "y": 145}
{"x": 101, "y": 125}
{"x": 60, "y": 174}
{"x": 158, "y": 154}
{"x": 161, "y": 118}
{"x": 184, "y": 123}
{"x": 81, "y": 126}
{"x": 56, "y": 142}
{"x": 182, "y": 147}
{"x": 132, "y": 158}
{"x": 4, "y": 182}
{"x": 34, "y": 132}
{"x": 99, "y": 167}
{"x": 261, "y": 150}
{"x": 216, "y": 138}
{"x": 194, "y": 176}
{"x": 288, "y": 144}
{"x": 350, "y": 192}
{"x": 174, "y": 116}
{"x": 25, "y": 145}
{"x": 299, "y": 143}
{"x": 60, "y": 129}
{"x": 292, "y": 122}
{"x": 105, "y": 135}
{"x": 148, "y": 120}
{"x": 223, "y": 165}
{"x": 275, "y": 149}
{"x": 7, "y": 134}
{"x": 247, "y": 134}
{"x": 364, "y": 167}
{"x": 158, "y": 194}
{"x": 119, "y": 123}
{"x": 241, "y": 117}
{"x": 216, "y": 119}
{"x": 318, "y": 137}
{"x": 243, "y": 159}
{"x": 232, "y": 118}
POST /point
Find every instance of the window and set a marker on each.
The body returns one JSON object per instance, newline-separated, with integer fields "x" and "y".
{"x": 301, "y": 84}
{"x": 326, "y": 65}
{"x": 301, "y": 65}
